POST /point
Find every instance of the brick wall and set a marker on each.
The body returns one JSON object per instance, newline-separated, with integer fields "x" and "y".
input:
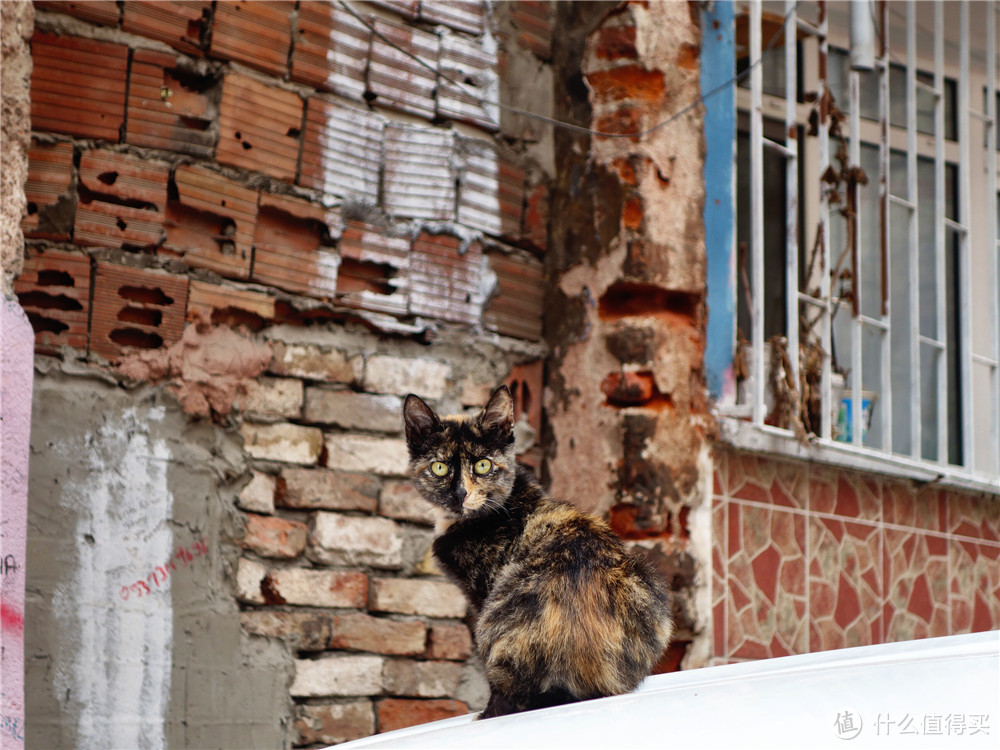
{"x": 808, "y": 558}
{"x": 290, "y": 224}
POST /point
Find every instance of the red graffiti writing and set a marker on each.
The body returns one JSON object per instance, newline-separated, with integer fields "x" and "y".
{"x": 160, "y": 573}
{"x": 11, "y": 619}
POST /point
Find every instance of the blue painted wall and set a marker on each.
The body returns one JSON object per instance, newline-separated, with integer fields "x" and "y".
{"x": 718, "y": 66}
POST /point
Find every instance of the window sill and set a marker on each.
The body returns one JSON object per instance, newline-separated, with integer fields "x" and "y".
{"x": 742, "y": 434}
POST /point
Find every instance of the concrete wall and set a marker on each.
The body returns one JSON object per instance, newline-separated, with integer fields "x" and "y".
{"x": 135, "y": 637}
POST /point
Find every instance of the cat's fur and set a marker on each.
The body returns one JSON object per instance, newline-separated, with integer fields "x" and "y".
{"x": 563, "y": 611}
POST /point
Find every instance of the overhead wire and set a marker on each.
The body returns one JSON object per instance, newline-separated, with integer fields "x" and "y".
{"x": 736, "y": 79}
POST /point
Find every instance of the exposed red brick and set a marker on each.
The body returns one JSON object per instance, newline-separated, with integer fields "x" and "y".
{"x": 491, "y": 192}
{"x": 305, "y": 631}
{"x": 515, "y": 309}
{"x": 688, "y": 56}
{"x": 334, "y": 723}
{"x": 535, "y": 227}
{"x": 380, "y": 635}
{"x": 623, "y": 121}
{"x": 54, "y": 290}
{"x": 627, "y": 82}
{"x": 327, "y": 489}
{"x": 463, "y": 15}
{"x": 525, "y": 383}
{"x": 270, "y": 536}
{"x": 374, "y": 269}
{"x": 121, "y": 200}
{"x": 211, "y": 224}
{"x": 628, "y": 388}
{"x": 290, "y": 250}
{"x": 452, "y": 642}
{"x": 397, "y": 713}
{"x": 342, "y": 150}
{"x": 65, "y": 95}
{"x": 135, "y": 308}
{"x": 446, "y": 283}
{"x": 259, "y": 127}
{"x": 165, "y": 109}
{"x": 331, "y": 49}
{"x": 99, "y": 11}
{"x": 257, "y": 33}
{"x": 228, "y": 305}
{"x": 406, "y": 8}
{"x": 616, "y": 42}
{"x": 464, "y": 59}
{"x": 182, "y": 25}
{"x": 395, "y": 78}
{"x": 533, "y": 19}
{"x": 50, "y": 172}
{"x": 633, "y": 213}
{"x": 419, "y": 175}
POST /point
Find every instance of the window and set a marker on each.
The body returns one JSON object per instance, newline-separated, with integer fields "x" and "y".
{"x": 868, "y": 293}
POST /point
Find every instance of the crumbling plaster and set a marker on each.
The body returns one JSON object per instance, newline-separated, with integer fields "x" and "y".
{"x": 627, "y": 411}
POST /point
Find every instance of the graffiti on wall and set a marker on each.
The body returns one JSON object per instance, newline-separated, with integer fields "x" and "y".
{"x": 160, "y": 573}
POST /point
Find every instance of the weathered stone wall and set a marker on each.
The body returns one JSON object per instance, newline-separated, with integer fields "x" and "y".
{"x": 627, "y": 413}
{"x": 252, "y": 229}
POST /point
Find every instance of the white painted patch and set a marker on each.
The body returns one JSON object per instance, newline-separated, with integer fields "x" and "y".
{"x": 114, "y": 658}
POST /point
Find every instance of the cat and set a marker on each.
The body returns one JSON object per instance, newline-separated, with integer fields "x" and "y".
{"x": 562, "y": 610}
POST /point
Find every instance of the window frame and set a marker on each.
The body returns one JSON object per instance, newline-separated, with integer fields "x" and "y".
{"x": 743, "y": 422}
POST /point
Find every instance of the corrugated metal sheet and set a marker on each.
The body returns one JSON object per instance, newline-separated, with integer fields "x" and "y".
{"x": 397, "y": 80}
{"x": 164, "y": 113}
{"x": 342, "y": 150}
{"x": 50, "y": 171}
{"x": 419, "y": 177}
{"x": 179, "y": 24}
{"x": 331, "y": 49}
{"x": 121, "y": 201}
{"x": 206, "y": 300}
{"x": 136, "y": 308}
{"x": 288, "y": 246}
{"x": 516, "y": 309}
{"x": 66, "y": 98}
{"x": 476, "y": 101}
{"x": 54, "y": 290}
{"x": 257, "y": 33}
{"x": 491, "y": 189}
{"x": 445, "y": 283}
{"x": 374, "y": 270}
{"x": 211, "y": 224}
{"x": 259, "y": 127}
{"x": 98, "y": 11}
{"x": 463, "y": 15}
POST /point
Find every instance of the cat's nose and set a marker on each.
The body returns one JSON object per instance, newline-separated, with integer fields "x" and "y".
{"x": 460, "y": 493}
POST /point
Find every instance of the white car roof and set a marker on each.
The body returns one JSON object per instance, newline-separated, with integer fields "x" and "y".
{"x": 938, "y": 692}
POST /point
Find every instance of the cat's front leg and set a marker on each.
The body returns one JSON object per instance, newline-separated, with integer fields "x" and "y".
{"x": 497, "y": 705}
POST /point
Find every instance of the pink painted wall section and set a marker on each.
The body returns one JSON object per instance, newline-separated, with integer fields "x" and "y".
{"x": 17, "y": 343}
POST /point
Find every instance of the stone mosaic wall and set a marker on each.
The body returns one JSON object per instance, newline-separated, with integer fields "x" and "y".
{"x": 809, "y": 558}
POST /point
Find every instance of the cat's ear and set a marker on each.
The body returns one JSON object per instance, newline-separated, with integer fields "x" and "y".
{"x": 498, "y": 414}
{"x": 419, "y": 419}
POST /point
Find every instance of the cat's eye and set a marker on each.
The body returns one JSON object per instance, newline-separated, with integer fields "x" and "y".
{"x": 482, "y": 466}
{"x": 439, "y": 469}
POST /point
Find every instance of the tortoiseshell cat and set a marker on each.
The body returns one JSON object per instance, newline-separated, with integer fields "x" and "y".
{"x": 564, "y": 612}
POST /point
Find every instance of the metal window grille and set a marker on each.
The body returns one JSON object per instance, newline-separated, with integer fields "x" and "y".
{"x": 889, "y": 264}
